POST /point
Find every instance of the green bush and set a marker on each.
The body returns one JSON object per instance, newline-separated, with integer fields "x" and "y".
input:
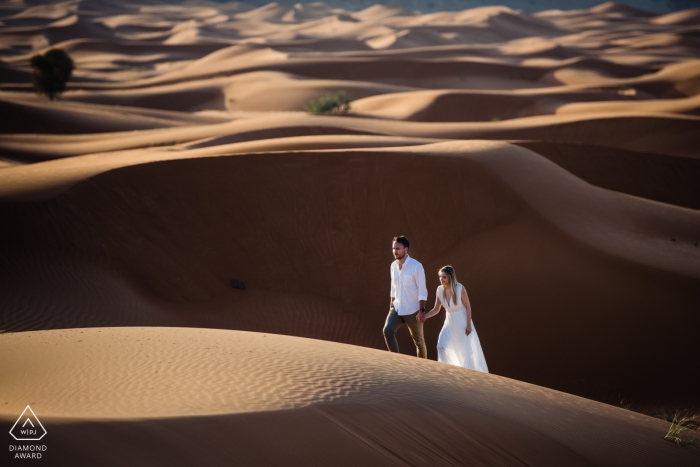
{"x": 51, "y": 72}
{"x": 330, "y": 104}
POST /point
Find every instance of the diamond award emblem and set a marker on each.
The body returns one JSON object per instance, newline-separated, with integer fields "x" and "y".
{"x": 28, "y": 427}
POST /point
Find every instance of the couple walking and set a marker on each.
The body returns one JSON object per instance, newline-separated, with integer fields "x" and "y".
{"x": 458, "y": 343}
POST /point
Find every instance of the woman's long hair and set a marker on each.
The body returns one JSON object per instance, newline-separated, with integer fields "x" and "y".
{"x": 450, "y": 271}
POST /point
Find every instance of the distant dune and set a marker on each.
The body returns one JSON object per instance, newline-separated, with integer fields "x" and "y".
{"x": 428, "y": 6}
{"x": 551, "y": 157}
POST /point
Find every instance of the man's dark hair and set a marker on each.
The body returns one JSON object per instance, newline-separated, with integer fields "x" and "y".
{"x": 402, "y": 240}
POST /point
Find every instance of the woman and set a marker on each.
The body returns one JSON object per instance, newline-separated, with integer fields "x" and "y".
{"x": 458, "y": 343}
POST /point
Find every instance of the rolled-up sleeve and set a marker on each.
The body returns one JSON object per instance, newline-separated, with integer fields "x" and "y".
{"x": 420, "y": 280}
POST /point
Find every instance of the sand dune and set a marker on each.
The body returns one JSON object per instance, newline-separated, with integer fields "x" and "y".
{"x": 550, "y": 157}
{"x": 263, "y": 399}
{"x": 648, "y": 175}
{"x": 484, "y": 106}
{"x": 688, "y": 106}
{"x": 661, "y": 133}
{"x": 515, "y": 214}
{"x": 690, "y": 17}
{"x": 31, "y": 116}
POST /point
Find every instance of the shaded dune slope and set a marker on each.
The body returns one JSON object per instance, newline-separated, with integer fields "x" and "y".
{"x": 318, "y": 400}
{"x": 309, "y": 233}
{"x": 648, "y": 175}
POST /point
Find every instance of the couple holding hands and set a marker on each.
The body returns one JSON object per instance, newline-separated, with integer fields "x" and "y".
{"x": 458, "y": 343}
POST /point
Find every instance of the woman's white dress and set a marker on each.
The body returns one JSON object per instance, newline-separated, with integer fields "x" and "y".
{"x": 454, "y": 346}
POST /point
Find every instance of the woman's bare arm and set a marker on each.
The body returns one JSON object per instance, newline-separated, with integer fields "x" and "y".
{"x": 435, "y": 309}
{"x": 468, "y": 306}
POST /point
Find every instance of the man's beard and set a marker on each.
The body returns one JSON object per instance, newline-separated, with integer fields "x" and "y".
{"x": 397, "y": 256}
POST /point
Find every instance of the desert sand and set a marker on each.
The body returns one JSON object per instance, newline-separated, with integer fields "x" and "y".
{"x": 551, "y": 157}
{"x": 175, "y": 396}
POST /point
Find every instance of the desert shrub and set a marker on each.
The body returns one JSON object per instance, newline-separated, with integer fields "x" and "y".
{"x": 679, "y": 424}
{"x": 51, "y": 72}
{"x": 330, "y": 104}
{"x": 624, "y": 404}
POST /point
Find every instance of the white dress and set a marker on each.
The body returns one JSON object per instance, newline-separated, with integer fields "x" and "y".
{"x": 454, "y": 346}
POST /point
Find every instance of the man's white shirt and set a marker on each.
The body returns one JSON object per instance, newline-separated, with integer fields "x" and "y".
{"x": 408, "y": 286}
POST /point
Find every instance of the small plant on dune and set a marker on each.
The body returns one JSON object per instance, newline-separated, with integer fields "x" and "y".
{"x": 51, "y": 72}
{"x": 329, "y": 104}
{"x": 625, "y": 405}
{"x": 692, "y": 422}
{"x": 679, "y": 424}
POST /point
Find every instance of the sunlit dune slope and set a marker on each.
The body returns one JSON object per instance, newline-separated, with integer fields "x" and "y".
{"x": 158, "y": 396}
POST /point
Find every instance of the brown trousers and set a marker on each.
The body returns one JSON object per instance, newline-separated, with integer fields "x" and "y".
{"x": 394, "y": 321}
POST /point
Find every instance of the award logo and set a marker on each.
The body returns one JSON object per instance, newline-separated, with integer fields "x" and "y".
{"x": 28, "y": 427}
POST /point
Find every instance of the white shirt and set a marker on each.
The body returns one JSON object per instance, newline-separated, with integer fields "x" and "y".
{"x": 408, "y": 286}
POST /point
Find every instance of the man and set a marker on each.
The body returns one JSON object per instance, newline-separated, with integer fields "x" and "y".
{"x": 408, "y": 296}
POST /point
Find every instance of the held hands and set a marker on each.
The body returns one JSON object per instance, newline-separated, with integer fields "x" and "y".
{"x": 420, "y": 317}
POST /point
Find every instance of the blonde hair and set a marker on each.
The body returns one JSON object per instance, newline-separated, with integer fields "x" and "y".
{"x": 450, "y": 271}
